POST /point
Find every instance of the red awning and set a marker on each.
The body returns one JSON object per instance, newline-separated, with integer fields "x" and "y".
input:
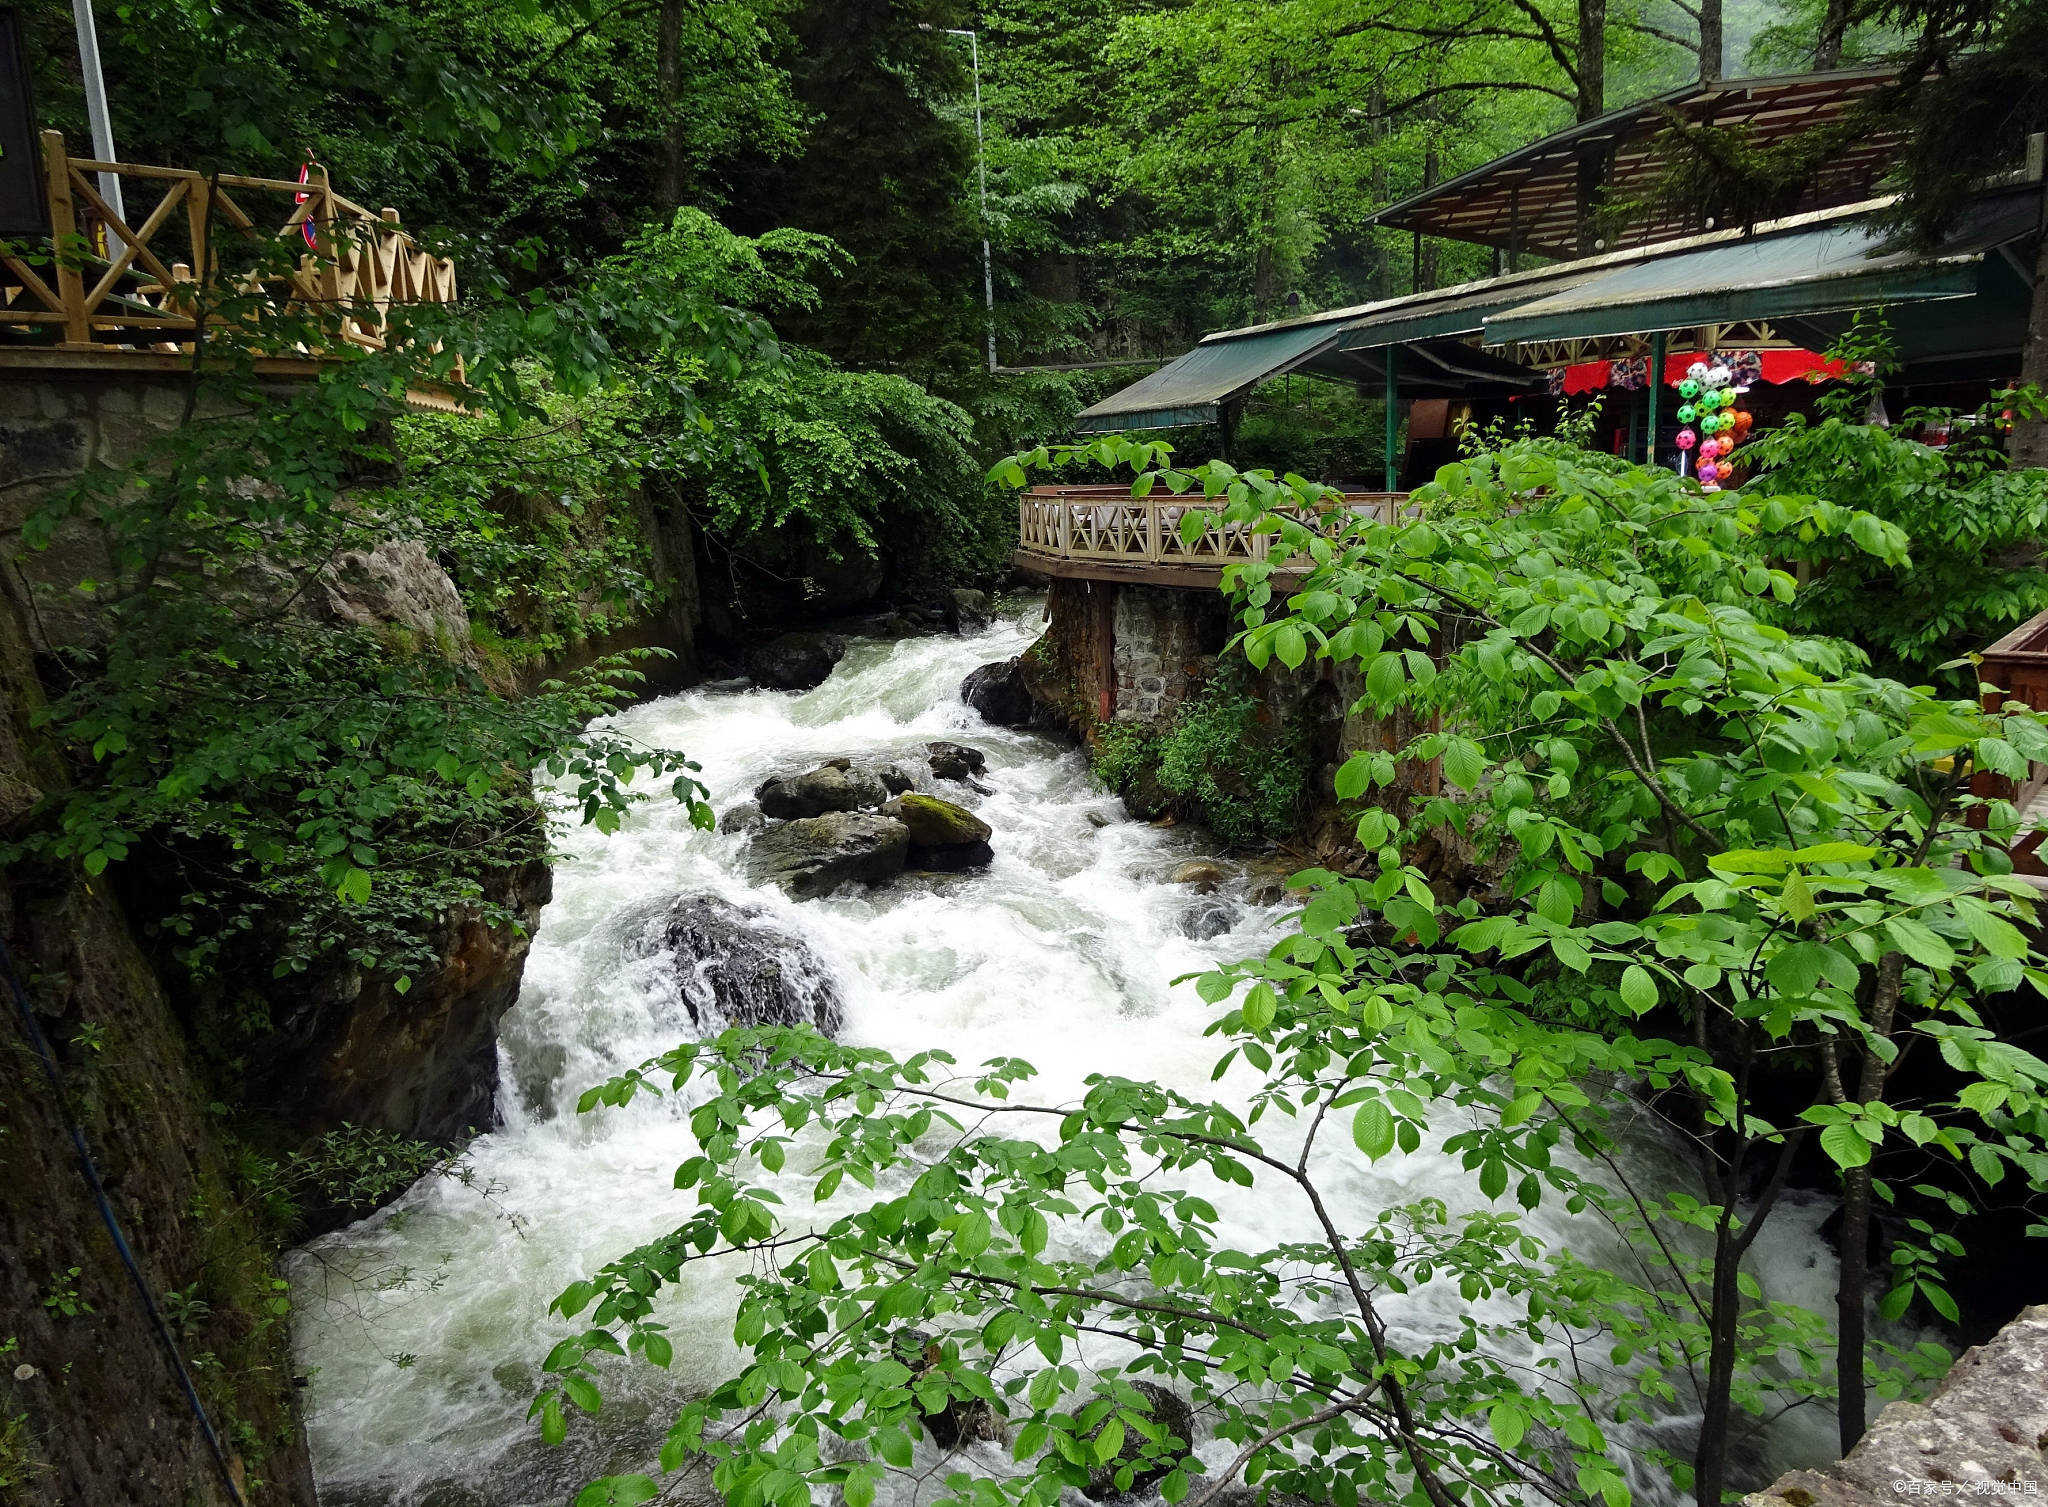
{"x": 1776, "y": 366}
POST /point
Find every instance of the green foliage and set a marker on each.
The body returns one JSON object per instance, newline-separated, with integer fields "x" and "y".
{"x": 1702, "y": 819}
{"x": 855, "y": 462}
{"x": 1225, "y": 758}
{"x": 1975, "y": 526}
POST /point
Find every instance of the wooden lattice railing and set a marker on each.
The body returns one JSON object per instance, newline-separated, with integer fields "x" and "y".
{"x": 1107, "y": 523}
{"x": 114, "y": 285}
{"x": 2018, "y": 665}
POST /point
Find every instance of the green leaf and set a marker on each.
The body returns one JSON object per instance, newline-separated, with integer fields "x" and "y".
{"x": 1109, "y": 1441}
{"x": 354, "y": 888}
{"x": 1464, "y": 762}
{"x": 1372, "y": 1129}
{"x": 1638, "y": 989}
{"x": 1845, "y": 1145}
{"x": 617, "y": 1491}
{"x": 1508, "y": 1423}
{"x": 1289, "y": 647}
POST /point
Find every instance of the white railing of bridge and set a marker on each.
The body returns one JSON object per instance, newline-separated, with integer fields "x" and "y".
{"x": 1108, "y": 523}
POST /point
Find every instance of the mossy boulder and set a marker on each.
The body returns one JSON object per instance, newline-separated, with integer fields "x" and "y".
{"x": 943, "y": 836}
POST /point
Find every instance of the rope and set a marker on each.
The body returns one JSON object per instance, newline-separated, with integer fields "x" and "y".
{"x": 89, "y": 1170}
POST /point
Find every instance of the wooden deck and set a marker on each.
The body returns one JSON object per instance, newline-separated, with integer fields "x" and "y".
{"x": 1103, "y": 533}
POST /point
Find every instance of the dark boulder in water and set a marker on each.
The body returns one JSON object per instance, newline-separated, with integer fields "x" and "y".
{"x": 735, "y": 967}
{"x": 1171, "y": 1414}
{"x": 998, "y": 692}
{"x": 795, "y": 661}
{"x": 955, "y": 761}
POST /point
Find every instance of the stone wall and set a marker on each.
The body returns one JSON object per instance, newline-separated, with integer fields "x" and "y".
{"x": 1982, "y": 1435}
{"x": 1164, "y": 642}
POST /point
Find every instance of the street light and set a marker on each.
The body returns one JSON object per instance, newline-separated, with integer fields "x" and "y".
{"x": 988, "y": 276}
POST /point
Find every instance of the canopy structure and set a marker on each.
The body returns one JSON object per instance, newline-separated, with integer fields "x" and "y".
{"x": 1192, "y": 389}
{"x": 1803, "y": 273}
{"x": 1529, "y": 201}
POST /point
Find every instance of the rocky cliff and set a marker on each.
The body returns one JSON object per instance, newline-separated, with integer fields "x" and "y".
{"x": 1982, "y": 1434}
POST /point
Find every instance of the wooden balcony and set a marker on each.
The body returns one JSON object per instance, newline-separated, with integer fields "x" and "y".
{"x": 2018, "y": 665}
{"x": 1103, "y": 533}
{"x": 130, "y": 291}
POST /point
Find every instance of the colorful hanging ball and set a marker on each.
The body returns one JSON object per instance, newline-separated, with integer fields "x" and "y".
{"x": 1743, "y": 419}
{"x": 1712, "y": 399}
{"x": 1718, "y": 376}
{"x": 1687, "y": 413}
{"x": 1687, "y": 439}
{"x": 1689, "y": 388}
{"x": 1709, "y": 473}
{"x": 1711, "y": 424}
{"x": 1697, "y": 372}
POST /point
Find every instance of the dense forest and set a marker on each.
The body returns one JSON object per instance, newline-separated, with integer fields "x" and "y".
{"x": 1660, "y": 931}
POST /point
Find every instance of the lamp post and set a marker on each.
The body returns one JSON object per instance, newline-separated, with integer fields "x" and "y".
{"x": 96, "y": 113}
{"x": 988, "y": 276}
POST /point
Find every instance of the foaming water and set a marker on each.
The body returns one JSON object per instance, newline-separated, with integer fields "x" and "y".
{"x": 423, "y": 1327}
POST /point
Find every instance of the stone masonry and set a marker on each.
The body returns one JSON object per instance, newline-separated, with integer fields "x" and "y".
{"x": 1166, "y": 641}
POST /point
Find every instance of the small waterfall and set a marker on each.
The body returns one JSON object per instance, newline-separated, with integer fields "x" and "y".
{"x": 422, "y": 1328}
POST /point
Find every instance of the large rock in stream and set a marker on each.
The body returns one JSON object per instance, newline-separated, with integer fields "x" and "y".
{"x": 999, "y": 693}
{"x": 943, "y": 837}
{"x": 735, "y": 967}
{"x": 833, "y": 786}
{"x": 814, "y": 855}
{"x": 1170, "y": 1412}
{"x": 795, "y": 661}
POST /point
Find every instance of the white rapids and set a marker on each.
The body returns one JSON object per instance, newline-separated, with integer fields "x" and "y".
{"x": 422, "y": 1328}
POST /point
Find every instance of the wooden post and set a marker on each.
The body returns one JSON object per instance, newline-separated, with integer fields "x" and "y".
{"x": 1393, "y": 417}
{"x": 1656, "y": 388}
{"x": 64, "y": 242}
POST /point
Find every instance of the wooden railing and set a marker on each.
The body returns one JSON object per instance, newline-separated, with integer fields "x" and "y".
{"x": 2018, "y": 665}
{"x": 113, "y": 285}
{"x": 1107, "y": 523}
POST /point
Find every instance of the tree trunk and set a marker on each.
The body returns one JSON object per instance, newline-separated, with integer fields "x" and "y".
{"x": 1591, "y": 69}
{"x": 1710, "y": 40}
{"x": 1851, "y": 1333}
{"x": 2030, "y": 436}
{"x": 1850, "y": 1338}
{"x": 1834, "y": 26}
{"x": 668, "y": 73}
{"x": 1724, "y": 1317}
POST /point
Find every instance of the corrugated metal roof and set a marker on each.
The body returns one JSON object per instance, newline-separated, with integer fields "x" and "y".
{"x": 1190, "y": 389}
{"x": 1817, "y": 270}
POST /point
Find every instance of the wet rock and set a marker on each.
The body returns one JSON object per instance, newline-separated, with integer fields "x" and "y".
{"x": 955, "y": 761}
{"x": 999, "y": 693}
{"x": 963, "y": 1420}
{"x": 896, "y": 779}
{"x": 814, "y": 855}
{"x": 1980, "y": 1431}
{"x": 967, "y": 610}
{"x": 746, "y": 817}
{"x": 1205, "y": 874}
{"x": 734, "y": 967}
{"x": 399, "y": 582}
{"x": 1097, "y": 820}
{"x": 1172, "y": 1414}
{"x": 1206, "y": 918}
{"x": 944, "y": 838}
{"x": 730, "y": 685}
{"x": 795, "y": 661}
{"x": 833, "y": 786}
{"x": 1266, "y": 888}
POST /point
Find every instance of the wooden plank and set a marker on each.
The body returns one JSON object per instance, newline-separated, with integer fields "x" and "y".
{"x": 63, "y": 230}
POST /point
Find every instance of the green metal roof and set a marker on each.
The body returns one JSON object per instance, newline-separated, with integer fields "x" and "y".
{"x": 1191, "y": 388}
{"x": 1814, "y": 271}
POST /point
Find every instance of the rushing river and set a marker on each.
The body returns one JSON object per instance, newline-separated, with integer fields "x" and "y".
{"x": 422, "y": 1328}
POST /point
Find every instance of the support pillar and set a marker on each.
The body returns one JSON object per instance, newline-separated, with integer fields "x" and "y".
{"x": 1393, "y": 418}
{"x": 1656, "y": 391}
